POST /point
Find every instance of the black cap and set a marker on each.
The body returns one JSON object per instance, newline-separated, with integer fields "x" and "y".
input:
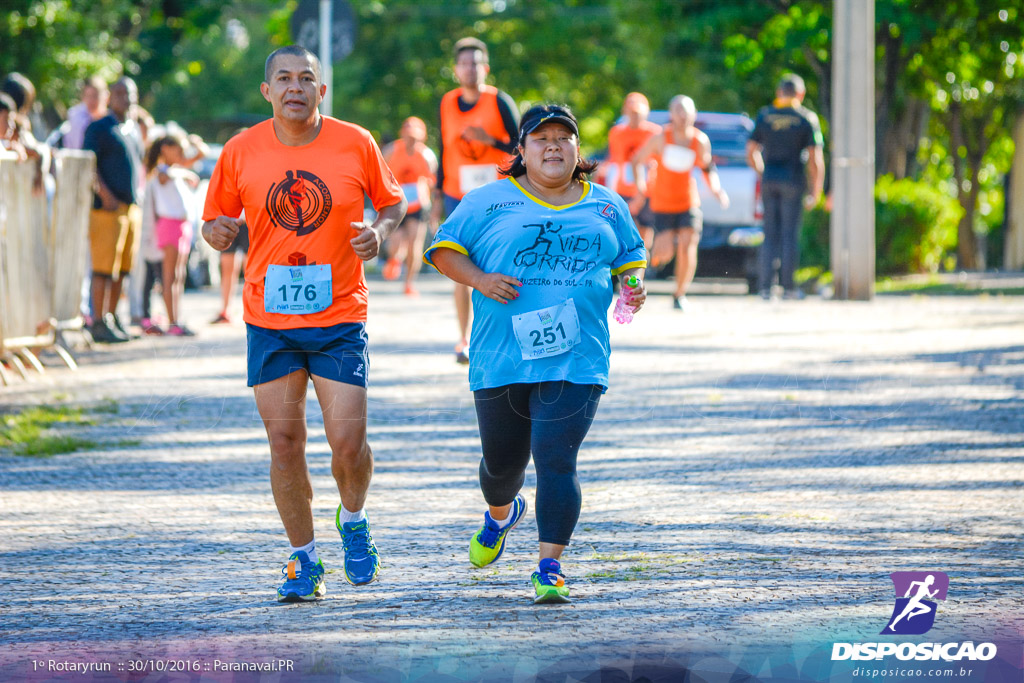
{"x": 547, "y": 113}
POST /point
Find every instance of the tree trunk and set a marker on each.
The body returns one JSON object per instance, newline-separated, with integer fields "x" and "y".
{"x": 966, "y": 245}
{"x": 967, "y": 240}
{"x": 885, "y": 124}
{"x": 1013, "y": 254}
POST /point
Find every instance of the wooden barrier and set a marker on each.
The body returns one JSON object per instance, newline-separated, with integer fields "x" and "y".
{"x": 42, "y": 258}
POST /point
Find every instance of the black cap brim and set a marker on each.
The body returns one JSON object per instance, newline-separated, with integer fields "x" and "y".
{"x": 550, "y": 117}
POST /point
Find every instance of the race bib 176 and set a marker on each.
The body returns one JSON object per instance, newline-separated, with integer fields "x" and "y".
{"x": 297, "y": 290}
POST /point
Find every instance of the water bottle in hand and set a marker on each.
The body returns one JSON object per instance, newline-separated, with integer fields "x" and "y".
{"x": 623, "y": 308}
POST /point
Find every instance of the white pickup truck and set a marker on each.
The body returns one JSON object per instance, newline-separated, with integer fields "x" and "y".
{"x": 732, "y": 237}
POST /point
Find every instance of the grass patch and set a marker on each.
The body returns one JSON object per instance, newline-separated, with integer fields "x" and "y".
{"x": 812, "y": 275}
{"x": 46, "y": 446}
{"x": 107, "y": 405}
{"x": 935, "y": 286}
{"x": 35, "y": 431}
{"x": 28, "y": 425}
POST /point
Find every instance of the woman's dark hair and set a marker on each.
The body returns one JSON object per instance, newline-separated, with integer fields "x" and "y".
{"x": 20, "y": 89}
{"x": 153, "y": 153}
{"x": 533, "y": 117}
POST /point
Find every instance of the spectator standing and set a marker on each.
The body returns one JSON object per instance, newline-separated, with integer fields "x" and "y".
{"x": 171, "y": 187}
{"x": 8, "y": 129}
{"x": 22, "y": 141}
{"x": 786, "y": 139}
{"x": 91, "y": 107}
{"x": 115, "y": 220}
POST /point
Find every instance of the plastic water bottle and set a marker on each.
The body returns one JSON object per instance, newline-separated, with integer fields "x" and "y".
{"x": 623, "y": 309}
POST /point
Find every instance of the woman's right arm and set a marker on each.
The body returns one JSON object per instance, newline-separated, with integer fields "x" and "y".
{"x": 458, "y": 267}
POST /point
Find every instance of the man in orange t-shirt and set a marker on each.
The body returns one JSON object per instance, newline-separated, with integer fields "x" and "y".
{"x": 624, "y": 140}
{"x": 301, "y": 178}
{"x": 479, "y": 133}
{"x": 415, "y": 167}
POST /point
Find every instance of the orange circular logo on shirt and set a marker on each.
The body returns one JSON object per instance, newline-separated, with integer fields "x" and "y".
{"x": 300, "y": 202}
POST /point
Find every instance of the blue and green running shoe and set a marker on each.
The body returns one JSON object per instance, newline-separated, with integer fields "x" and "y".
{"x": 303, "y": 579}
{"x": 549, "y": 583}
{"x": 488, "y": 544}
{"x": 361, "y": 560}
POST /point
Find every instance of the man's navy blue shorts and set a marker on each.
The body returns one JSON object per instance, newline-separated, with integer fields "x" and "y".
{"x": 337, "y": 353}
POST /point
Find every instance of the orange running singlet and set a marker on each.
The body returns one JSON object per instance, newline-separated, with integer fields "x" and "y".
{"x": 468, "y": 164}
{"x": 413, "y": 170}
{"x": 673, "y": 189}
{"x": 623, "y": 142}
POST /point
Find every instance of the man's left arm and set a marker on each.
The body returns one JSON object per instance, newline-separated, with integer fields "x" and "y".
{"x": 509, "y": 119}
{"x": 815, "y": 162}
{"x": 710, "y": 171}
{"x": 816, "y": 173}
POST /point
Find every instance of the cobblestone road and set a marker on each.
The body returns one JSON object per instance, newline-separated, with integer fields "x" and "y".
{"x": 755, "y": 473}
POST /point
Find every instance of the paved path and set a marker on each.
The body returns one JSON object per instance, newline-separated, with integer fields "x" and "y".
{"x": 755, "y": 473}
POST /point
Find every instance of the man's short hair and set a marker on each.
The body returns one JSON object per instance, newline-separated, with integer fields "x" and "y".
{"x": 463, "y": 44}
{"x": 298, "y": 51}
{"x": 791, "y": 85}
{"x": 95, "y": 82}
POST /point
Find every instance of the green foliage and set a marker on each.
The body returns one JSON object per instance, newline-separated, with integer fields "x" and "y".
{"x": 56, "y": 43}
{"x": 814, "y": 240}
{"x": 915, "y": 228}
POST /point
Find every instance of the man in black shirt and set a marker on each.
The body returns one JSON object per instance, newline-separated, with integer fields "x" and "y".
{"x": 116, "y": 218}
{"x": 785, "y": 139}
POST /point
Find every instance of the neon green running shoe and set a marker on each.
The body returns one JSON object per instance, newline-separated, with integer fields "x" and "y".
{"x": 362, "y": 563}
{"x": 488, "y": 544}
{"x": 303, "y": 579}
{"x": 549, "y": 583}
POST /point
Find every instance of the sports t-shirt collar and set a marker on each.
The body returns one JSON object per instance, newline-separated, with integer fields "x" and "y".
{"x": 586, "y": 191}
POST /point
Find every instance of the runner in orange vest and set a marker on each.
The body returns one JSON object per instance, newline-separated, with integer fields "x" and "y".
{"x": 673, "y": 190}
{"x": 415, "y": 167}
{"x": 479, "y": 133}
{"x": 624, "y": 140}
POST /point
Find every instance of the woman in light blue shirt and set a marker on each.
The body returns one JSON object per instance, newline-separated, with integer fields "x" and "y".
{"x": 539, "y": 248}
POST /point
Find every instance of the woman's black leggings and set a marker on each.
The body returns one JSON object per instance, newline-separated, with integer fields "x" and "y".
{"x": 551, "y": 419}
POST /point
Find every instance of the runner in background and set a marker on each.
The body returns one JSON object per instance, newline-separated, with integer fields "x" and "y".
{"x": 624, "y": 139}
{"x": 673, "y": 191}
{"x": 415, "y": 167}
{"x": 479, "y": 130}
